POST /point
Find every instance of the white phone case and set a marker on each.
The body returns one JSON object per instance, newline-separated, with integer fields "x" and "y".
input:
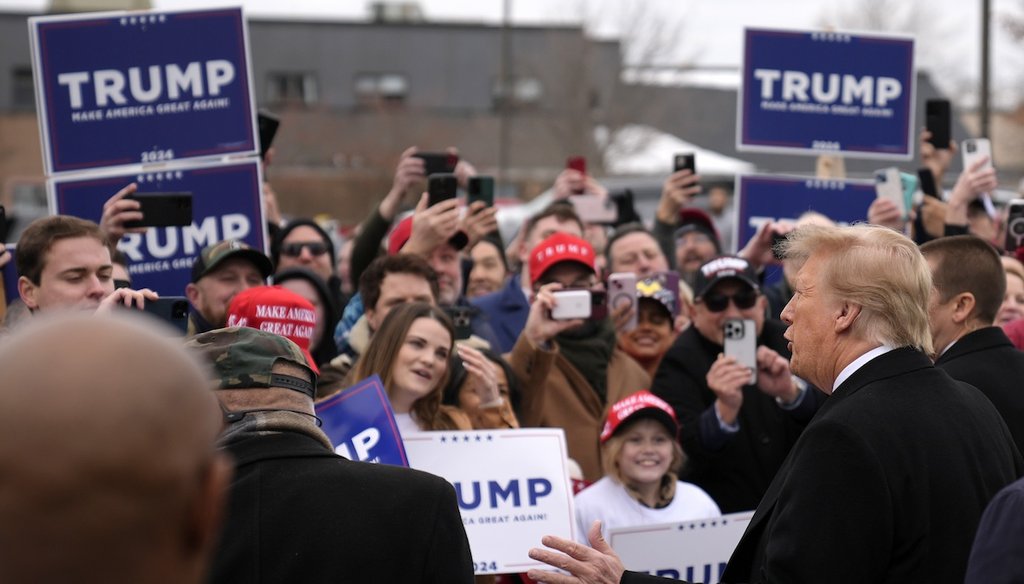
{"x": 975, "y": 148}
{"x": 889, "y": 186}
{"x": 741, "y": 343}
{"x": 571, "y": 304}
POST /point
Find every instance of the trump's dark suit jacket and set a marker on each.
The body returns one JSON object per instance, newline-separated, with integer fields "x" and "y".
{"x": 886, "y": 484}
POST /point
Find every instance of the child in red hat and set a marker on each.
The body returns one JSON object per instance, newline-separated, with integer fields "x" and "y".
{"x": 641, "y": 456}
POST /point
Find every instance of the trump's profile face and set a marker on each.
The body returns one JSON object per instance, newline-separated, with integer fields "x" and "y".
{"x": 811, "y": 332}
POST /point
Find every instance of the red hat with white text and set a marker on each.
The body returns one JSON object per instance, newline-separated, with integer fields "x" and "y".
{"x": 560, "y": 247}
{"x": 276, "y": 310}
{"x": 640, "y": 404}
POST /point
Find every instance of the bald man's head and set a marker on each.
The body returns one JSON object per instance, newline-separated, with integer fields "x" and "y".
{"x": 110, "y": 473}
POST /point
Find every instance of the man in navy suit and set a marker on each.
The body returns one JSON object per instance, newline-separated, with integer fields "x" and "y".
{"x": 889, "y": 480}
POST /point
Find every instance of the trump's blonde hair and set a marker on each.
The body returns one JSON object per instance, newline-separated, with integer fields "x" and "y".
{"x": 878, "y": 269}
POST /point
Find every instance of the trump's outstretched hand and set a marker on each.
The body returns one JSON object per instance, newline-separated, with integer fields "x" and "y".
{"x": 586, "y": 565}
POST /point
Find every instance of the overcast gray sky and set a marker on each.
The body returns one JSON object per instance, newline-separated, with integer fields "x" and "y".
{"x": 713, "y": 28}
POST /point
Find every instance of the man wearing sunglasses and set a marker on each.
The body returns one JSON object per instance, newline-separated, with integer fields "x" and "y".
{"x": 735, "y": 434}
{"x": 302, "y": 243}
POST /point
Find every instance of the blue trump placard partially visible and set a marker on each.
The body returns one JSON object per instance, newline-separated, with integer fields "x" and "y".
{"x": 361, "y": 425}
{"x": 126, "y": 88}
{"x": 764, "y": 198}
{"x": 226, "y": 204}
{"x": 827, "y": 92}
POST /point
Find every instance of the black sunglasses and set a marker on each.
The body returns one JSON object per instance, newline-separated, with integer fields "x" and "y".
{"x": 295, "y": 249}
{"x": 743, "y": 300}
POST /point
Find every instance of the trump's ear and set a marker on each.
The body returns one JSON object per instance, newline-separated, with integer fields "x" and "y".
{"x": 844, "y": 317}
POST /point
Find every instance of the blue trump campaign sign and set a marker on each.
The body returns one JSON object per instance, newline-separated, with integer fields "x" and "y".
{"x": 763, "y": 198}
{"x": 827, "y": 92}
{"x": 116, "y": 89}
{"x": 361, "y": 425}
{"x": 227, "y": 203}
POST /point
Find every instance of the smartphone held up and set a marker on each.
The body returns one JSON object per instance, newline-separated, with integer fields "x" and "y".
{"x": 740, "y": 343}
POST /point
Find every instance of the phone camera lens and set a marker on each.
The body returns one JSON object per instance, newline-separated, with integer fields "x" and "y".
{"x": 1017, "y": 227}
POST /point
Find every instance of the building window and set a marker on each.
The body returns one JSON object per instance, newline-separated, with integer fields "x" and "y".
{"x": 23, "y": 93}
{"x": 291, "y": 88}
{"x": 525, "y": 91}
{"x": 376, "y": 89}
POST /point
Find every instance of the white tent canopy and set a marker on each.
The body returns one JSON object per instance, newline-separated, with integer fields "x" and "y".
{"x": 637, "y": 149}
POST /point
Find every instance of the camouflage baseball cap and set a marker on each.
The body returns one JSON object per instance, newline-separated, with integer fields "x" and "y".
{"x": 213, "y": 255}
{"x": 244, "y": 358}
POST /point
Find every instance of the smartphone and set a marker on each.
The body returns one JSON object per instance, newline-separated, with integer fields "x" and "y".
{"x": 480, "y": 188}
{"x": 441, "y": 187}
{"x": 622, "y": 292}
{"x": 595, "y": 209}
{"x": 937, "y": 121}
{"x": 173, "y": 310}
{"x": 909, "y": 183}
{"x": 571, "y": 304}
{"x": 162, "y": 210}
{"x": 684, "y": 161}
{"x": 1015, "y": 225}
{"x": 3, "y": 225}
{"x": 462, "y": 319}
{"x": 889, "y": 185}
{"x": 625, "y": 209}
{"x": 577, "y": 163}
{"x": 975, "y": 148}
{"x": 926, "y": 179}
{"x": 740, "y": 342}
{"x": 438, "y": 162}
{"x": 267, "y": 124}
